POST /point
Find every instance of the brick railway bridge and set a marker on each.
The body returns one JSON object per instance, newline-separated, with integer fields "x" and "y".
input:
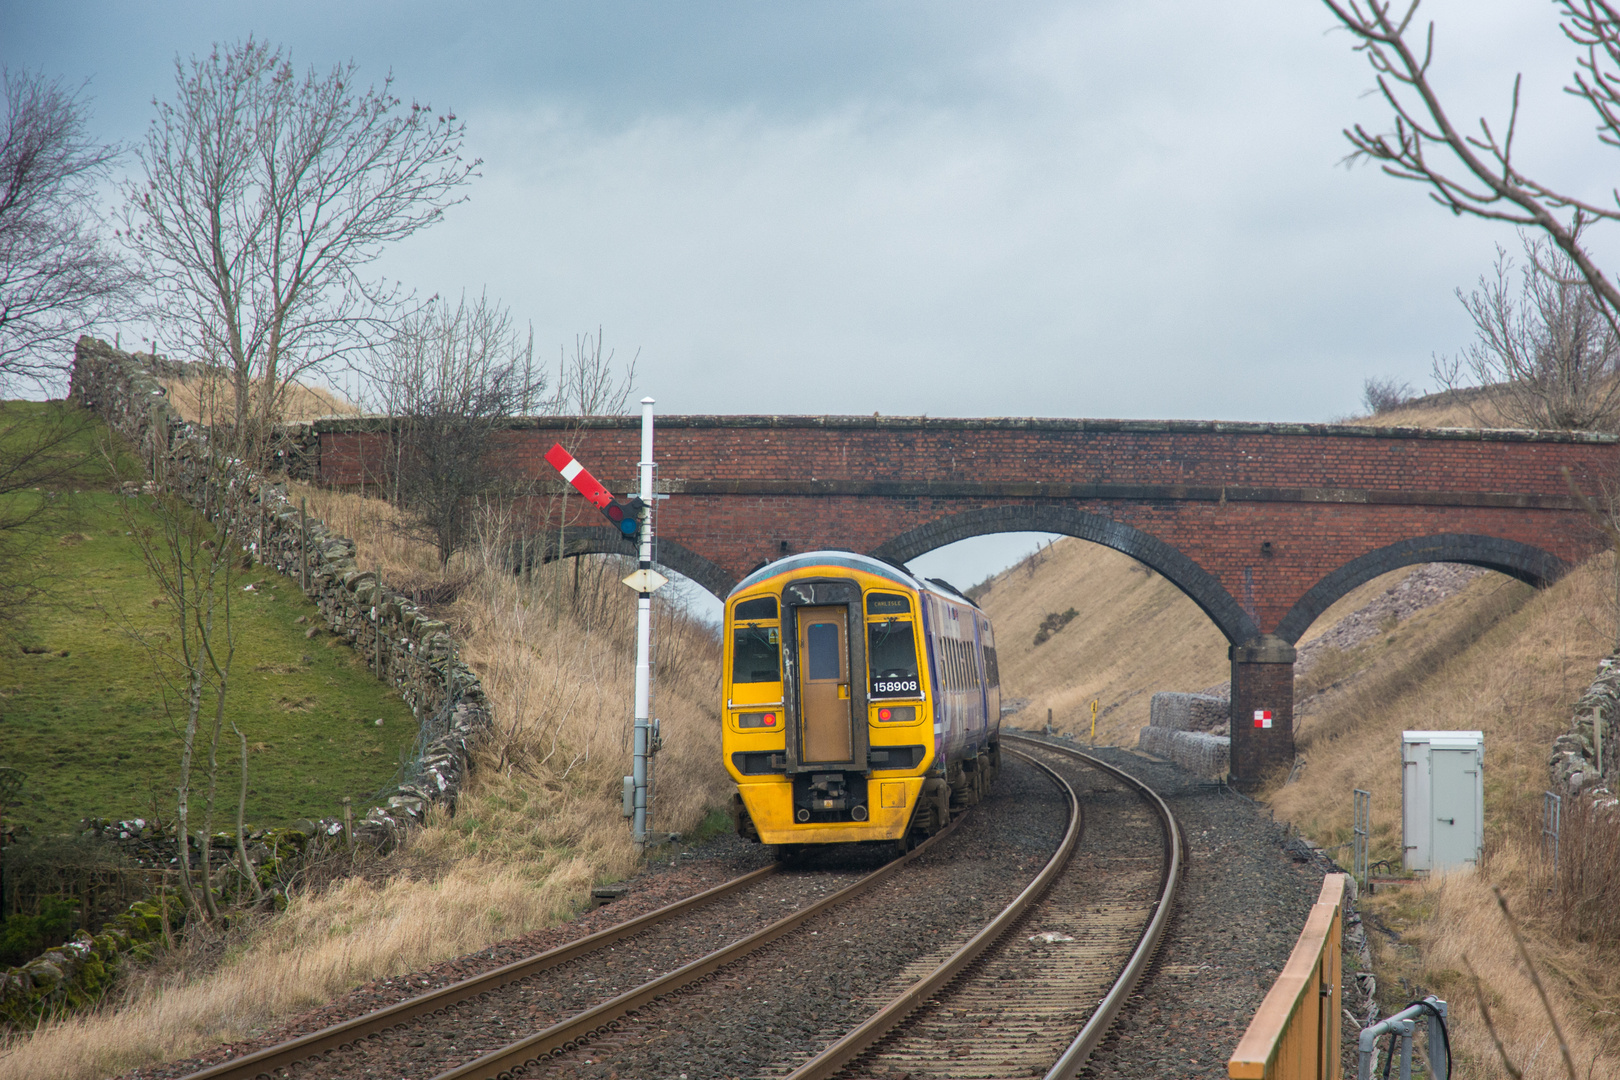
{"x": 1262, "y": 525}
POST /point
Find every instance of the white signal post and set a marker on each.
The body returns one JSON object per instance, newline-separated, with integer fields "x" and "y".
{"x": 645, "y": 581}
{"x": 643, "y": 725}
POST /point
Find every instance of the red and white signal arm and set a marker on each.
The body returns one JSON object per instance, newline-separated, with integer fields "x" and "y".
{"x": 579, "y": 476}
{"x": 1262, "y": 718}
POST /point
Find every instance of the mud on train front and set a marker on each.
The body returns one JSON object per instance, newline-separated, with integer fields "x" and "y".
{"x": 861, "y": 703}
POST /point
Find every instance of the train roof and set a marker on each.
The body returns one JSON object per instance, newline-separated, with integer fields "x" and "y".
{"x": 853, "y": 561}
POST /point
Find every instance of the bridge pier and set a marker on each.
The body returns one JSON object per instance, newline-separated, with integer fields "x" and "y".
{"x": 1262, "y": 682}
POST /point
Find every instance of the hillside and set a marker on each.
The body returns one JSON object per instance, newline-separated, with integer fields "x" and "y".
{"x": 89, "y": 707}
{"x": 1418, "y": 648}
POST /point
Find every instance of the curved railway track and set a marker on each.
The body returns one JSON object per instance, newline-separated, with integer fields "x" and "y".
{"x": 1012, "y": 993}
{"x": 1008, "y": 1005}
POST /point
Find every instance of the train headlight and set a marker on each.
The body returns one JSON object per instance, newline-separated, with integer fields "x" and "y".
{"x": 757, "y": 720}
{"x": 896, "y": 714}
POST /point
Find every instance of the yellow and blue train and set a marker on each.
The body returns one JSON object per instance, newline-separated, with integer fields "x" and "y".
{"x": 861, "y": 703}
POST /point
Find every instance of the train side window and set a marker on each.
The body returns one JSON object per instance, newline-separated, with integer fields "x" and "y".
{"x": 891, "y": 657}
{"x": 992, "y": 673}
{"x": 760, "y": 607}
{"x": 756, "y": 654}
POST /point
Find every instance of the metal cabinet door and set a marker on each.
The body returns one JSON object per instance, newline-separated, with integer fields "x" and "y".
{"x": 1454, "y": 783}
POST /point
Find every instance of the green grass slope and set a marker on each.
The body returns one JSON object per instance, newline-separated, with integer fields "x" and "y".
{"x": 90, "y": 713}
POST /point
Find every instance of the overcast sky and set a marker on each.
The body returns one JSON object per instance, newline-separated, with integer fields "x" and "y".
{"x": 1108, "y": 209}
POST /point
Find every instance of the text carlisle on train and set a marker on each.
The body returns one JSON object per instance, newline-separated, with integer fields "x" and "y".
{"x": 861, "y": 703}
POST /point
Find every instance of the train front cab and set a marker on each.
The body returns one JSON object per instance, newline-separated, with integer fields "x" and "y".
{"x": 829, "y": 732}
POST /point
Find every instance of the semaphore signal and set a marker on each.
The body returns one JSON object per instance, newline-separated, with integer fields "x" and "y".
{"x": 634, "y": 523}
{"x": 625, "y": 517}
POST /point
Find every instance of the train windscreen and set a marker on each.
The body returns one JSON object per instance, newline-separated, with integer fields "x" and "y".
{"x": 891, "y": 656}
{"x": 756, "y": 654}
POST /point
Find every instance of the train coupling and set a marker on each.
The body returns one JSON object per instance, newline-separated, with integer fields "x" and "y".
{"x": 827, "y": 791}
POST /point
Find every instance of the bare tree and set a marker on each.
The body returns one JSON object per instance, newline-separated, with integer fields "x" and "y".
{"x": 450, "y": 378}
{"x": 1476, "y": 174}
{"x": 195, "y": 566}
{"x": 266, "y": 194}
{"x": 58, "y": 278}
{"x": 1543, "y": 347}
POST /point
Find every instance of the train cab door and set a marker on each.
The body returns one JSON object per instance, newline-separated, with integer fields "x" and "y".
{"x": 826, "y": 734}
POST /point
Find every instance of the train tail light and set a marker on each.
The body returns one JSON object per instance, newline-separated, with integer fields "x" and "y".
{"x": 757, "y": 720}
{"x": 896, "y": 714}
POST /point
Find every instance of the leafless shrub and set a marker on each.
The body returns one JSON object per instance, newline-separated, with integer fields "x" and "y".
{"x": 1583, "y": 890}
{"x": 1380, "y": 395}
{"x": 1546, "y": 347}
{"x": 57, "y": 277}
{"x": 452, "y": 377}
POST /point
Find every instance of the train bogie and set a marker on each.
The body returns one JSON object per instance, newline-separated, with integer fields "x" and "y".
{"x": 860, "y": 702}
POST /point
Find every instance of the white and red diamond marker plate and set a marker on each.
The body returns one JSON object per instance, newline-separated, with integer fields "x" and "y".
{"x": 1262, "y": 718}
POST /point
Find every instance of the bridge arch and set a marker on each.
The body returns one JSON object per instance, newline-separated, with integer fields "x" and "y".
{"x": 1199, "y": 585}
{"x": 671, "y": 555}
{"x": 1525, "y": 562}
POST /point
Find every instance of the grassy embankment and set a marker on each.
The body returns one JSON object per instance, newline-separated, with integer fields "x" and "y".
{"x": 89, "y": 709}
{"x": 1498, "y": 657}
{"x": 537, "y": 826}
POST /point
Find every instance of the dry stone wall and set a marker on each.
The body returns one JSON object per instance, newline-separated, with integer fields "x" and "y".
{"x": 1573, "y": 765}
{"x": 408, "y": 649}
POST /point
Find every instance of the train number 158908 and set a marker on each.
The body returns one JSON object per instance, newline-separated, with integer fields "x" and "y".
{"x": 894, "y": 686}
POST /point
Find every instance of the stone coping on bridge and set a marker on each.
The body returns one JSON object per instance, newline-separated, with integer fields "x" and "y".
{"x": 992, "y": 423}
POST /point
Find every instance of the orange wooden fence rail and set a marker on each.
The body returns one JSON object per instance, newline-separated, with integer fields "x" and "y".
{"x": 1295, "y": 1033}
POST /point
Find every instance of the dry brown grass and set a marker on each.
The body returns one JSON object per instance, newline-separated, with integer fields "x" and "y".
{"x": 538, "y": 825}
{"x": 1497, "y": 657}
{"x": 1136, "y": 634}
{"x": 1510, "y": 662}
{"x": 204, "y": 400}
{"x": 1471, "y": 407}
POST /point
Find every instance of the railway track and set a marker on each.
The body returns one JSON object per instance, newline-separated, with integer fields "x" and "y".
{"x": 312, "y": 1055}
{"x": 1012, "y": 1003}
{"x": 969, "y": 990}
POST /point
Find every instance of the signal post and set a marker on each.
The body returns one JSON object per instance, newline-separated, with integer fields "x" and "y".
{"x": 635, "y": 523}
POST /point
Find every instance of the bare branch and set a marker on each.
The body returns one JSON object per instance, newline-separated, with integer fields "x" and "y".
{"x": 57, "y": 277}
{"x": 1480, "y": 178}
{"x": 265, "y": 197}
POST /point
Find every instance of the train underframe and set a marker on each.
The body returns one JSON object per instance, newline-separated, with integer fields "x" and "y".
{"x": 832, "y": 807}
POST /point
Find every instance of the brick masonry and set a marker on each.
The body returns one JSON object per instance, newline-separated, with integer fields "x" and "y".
{"x": 1262, "y": 525}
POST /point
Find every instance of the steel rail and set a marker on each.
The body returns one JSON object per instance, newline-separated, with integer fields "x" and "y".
{"x": 569, "y": 1033}
{"x": 841, "y": 1053}
{"x": 851, "y": 1046}
{"x": 266, "y": 1061}
{"x": 1102, "y": 1018}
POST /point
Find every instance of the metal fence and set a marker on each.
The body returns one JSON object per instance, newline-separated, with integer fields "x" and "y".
{"x": 1552, "y": 814}
{"x": 1361, "y": 830}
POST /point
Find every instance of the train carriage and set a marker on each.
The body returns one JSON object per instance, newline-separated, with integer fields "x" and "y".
{"x": 861, "y": 703}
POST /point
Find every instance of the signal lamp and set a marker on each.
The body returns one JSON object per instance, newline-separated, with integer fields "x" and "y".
{"x": 627, "y": 519}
